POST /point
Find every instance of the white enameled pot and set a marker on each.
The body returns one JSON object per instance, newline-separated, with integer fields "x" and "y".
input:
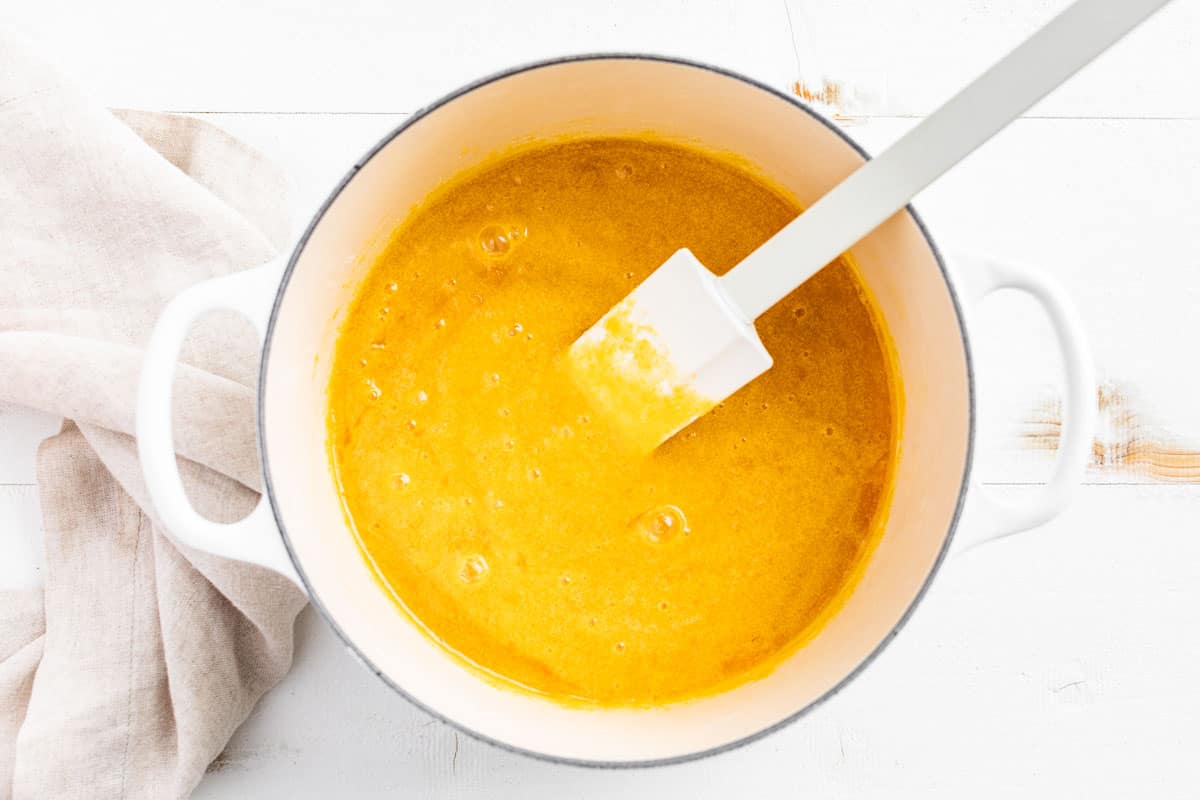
{"x": 297, "y": 304}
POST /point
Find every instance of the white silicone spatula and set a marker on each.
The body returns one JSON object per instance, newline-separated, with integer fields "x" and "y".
{"x": 684, "y": 339}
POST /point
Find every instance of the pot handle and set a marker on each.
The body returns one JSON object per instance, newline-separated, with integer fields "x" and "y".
{"x": 989, "y": 517}
{"x": 255, "y": 538}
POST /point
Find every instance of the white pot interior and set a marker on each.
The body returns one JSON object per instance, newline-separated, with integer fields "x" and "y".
{"x": 612, "y": 95}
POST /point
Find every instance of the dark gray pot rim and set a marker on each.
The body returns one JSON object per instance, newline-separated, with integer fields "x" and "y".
{"x": 315, "y": 598}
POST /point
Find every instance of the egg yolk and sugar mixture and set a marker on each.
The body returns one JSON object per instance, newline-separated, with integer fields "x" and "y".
{"x": 513, "y": 523}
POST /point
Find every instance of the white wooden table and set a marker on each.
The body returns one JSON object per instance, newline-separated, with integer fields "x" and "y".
{"x": 1062, "y": 662}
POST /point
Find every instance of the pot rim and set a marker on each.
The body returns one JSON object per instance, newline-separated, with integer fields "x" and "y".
{"x": 314, "y": 598}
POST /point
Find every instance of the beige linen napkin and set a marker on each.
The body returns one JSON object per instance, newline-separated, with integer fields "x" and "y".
{"x": 125, "y": 675}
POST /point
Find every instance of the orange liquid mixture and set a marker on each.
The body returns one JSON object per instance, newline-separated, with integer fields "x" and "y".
{"x": 520, "y": 531}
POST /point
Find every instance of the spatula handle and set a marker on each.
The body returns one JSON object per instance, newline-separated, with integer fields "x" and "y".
{"x": 884, "y": 185}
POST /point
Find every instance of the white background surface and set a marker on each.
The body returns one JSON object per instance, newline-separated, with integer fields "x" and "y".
{"x": 1059, "y": 663}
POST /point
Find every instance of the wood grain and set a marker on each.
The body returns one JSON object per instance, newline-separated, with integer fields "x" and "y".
{"x": 21, "y": 430}
{"x": 904, "y": 59}
{"x": 1128, "y": 444}
{"x": 373, "y": 55}
{"x": 23, "y": 562}
{"x": 1059, "y": 663}
{"x": 1036, "y": 667}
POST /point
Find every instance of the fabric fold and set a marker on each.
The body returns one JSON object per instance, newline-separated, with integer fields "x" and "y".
{"x": 126, "y": 673}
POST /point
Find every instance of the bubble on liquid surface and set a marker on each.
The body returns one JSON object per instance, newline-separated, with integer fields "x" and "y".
{"x": 495, "y": 241}
{"x": 474, "y": 568}
{"x": 662, "y": 523}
